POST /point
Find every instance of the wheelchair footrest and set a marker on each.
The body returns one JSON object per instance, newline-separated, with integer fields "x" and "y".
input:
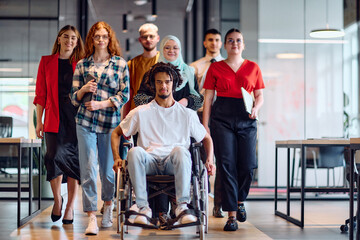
{"x": 146, "y": 226}
{"x": 172, "y": 223}
{"x": 153, "y": 222}
{"x": 169, "y": 227}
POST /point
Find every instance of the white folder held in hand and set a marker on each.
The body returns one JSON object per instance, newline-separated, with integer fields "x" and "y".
{"x": 248, "y": 101}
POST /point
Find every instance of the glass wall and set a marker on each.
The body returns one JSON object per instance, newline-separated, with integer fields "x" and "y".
{"x": 303, "y": 77}
{"x": 29, "y": 29}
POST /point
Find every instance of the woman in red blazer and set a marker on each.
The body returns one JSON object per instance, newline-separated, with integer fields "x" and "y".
{"x": 53, "y": 86}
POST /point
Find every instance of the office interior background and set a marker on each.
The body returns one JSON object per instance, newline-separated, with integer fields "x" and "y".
{"x": 312, "y": 85}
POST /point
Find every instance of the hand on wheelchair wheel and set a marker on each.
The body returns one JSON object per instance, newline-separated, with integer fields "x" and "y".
{"x": 117, "y": 164}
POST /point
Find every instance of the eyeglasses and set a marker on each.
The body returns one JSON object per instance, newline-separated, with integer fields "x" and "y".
{"x": 104, "y": 37}
{"x": 145, "y": 37}
{"x": 231, "y": 41}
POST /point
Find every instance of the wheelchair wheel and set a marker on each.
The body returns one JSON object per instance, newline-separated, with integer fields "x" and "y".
{"x": 118, "y": 201}
{"x": 202, "y": 231}
{"x": 206, "y": 208}
{"x": 122, "y": 231}
{"x": 204, "y": 198}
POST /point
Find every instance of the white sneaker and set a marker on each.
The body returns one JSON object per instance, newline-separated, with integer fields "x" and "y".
{"x": 141, "y": 219}
{"x": 92, "y": 228}
{"x": 187, "y": 218}
{"x": 107, "y": 219}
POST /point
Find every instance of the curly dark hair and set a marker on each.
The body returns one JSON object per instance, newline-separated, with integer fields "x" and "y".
{"x": 168, "y": 68}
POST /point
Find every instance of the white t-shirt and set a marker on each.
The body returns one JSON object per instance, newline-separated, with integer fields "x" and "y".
{"x": 161, "y": 129}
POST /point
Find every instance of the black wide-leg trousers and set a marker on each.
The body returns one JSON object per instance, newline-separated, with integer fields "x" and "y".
{"x": 234, "y": 137}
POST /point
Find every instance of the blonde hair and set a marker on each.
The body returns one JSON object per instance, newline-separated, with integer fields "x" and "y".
{"x": 113, "y": 46}
{"x": 148, "y": 26}
{"x": 78, "y": 52}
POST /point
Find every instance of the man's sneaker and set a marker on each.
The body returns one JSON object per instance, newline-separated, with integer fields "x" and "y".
{"x": 187, "y": 218}
{"x": 231, "y": 224}
{"x": 92, "y": 228}
{"x": 241, "y": 213}
{"x": 217, "y": 212}
{"x": 107, "y": 219}
{"x": 141, "y": 219}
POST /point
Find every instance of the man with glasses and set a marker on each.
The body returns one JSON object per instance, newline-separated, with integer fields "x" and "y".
{"x": 139, "y": 65}
{"x": 212, "y": 43}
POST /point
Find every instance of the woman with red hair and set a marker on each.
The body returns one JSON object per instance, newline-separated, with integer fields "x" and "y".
{"x": 100, "y": 89}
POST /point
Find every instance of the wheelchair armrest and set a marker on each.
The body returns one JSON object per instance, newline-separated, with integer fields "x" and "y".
{"x": 197, "y": 144}
{"x": 128, "y": 145}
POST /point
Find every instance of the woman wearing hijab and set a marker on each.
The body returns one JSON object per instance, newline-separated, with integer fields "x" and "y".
{"x": 188, "y": 92}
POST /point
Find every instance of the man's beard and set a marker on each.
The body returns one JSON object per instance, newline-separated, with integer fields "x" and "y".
{"x": 149, "y": 49}
{"x": 164, "y": 96}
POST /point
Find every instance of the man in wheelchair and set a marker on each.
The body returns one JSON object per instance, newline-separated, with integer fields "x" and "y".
{"x": 164, "y": 130}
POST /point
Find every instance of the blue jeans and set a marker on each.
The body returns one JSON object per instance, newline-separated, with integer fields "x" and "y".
{"x": 95, "y": 148}
{"x": 178, "y": 163}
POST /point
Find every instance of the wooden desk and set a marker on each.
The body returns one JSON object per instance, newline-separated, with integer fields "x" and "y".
{"x": 302, "y": 144}
{"x": 22, "y": 144}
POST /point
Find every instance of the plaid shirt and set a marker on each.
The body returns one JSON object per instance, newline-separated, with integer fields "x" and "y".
{"x": 113, "y": 84}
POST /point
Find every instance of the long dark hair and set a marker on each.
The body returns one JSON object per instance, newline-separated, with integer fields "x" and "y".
{"x": 78, "y": 52}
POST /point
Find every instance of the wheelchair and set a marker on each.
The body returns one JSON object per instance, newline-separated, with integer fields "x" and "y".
{"x": 164, "y": 184}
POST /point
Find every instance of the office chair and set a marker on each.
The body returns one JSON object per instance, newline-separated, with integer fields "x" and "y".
{"x": 6, "y": 127}
{"x": 324, "y": 158}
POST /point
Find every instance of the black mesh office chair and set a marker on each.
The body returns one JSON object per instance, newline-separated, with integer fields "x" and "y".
{"x": 324, "y": 158}
{"x": 6, "y": 127}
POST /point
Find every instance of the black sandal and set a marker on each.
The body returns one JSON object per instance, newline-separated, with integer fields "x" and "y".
{"x": 231, "y": 224}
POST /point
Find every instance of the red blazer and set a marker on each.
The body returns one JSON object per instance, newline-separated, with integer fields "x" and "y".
{"x": 47, "y": 93}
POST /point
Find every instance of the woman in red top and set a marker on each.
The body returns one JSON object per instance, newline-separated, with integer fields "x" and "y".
{"x": 233, "y": 130}
{"x": 53, "y": 85}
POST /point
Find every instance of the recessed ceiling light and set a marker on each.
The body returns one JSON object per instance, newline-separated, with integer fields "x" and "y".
{"x": 289, "y": 55}
{"x": 140, "y": 2}
{"x": 11, "y": 69}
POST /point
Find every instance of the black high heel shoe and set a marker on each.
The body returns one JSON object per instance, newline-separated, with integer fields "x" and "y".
{"x": 54, "y": 217}
{"x": 67, "y": 221}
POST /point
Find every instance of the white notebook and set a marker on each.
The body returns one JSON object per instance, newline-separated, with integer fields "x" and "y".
{"x": 248, "y": 101}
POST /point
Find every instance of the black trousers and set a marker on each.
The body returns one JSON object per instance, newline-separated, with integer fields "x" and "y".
{"x": 234, "y": 137}
{"x": 217, "y": 184}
